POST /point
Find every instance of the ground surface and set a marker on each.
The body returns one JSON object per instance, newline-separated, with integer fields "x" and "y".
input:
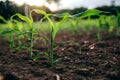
{"x": 83, "y": 58}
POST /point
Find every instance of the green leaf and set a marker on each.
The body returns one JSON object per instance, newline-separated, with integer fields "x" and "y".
{"x": 21, "y": 47}
{"x": 62, "y": 15}
{"x": 88, "y": 13}
{"x": 45, "y": 15}
{"x": 6, "y": 32}
{"x": 1, "y": 18}
{"x": 24, "y": 18}
{"x": 36, "y": 57}
{"x": 11, "y": 45}
{"x": 55, "y": 27}
{"x": 45, "y": 53}
{"x": 39, "y": 11}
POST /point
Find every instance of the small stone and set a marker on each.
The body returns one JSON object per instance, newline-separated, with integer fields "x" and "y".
{"x": 85, "y": 42}
{"x": 83, "y": 71}
{"x": 91, "y": 46}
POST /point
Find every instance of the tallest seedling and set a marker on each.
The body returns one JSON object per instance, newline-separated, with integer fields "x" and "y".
{"x": 53, "y": 31}
{"x": 54, "y": 27}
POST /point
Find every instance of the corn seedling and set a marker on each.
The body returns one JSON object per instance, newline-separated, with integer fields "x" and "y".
{"x": 30, "y": 29}
{"x": 118, "y": 22}
{"x": 53, "y": 30}
{"x": 12, "y": 31}
{"x": 74, "y": 23}
{"x": 89, "y": 13}
{"x": 30, "y": 32}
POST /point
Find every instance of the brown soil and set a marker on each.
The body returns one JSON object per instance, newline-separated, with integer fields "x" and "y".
{"x": 83, "y": 58}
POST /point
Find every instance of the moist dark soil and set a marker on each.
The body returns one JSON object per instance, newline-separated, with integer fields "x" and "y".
{"x": 83, "y": 57}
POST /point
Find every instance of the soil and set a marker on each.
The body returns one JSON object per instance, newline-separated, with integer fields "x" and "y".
{"x": 83, "y": 57}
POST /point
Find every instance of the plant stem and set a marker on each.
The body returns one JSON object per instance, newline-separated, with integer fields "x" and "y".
{"x": 51, "y": 48}
{"x": 31, "y": 42}
{"x": 98, "y": 35}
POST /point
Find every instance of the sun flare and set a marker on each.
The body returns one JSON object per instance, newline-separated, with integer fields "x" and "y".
{"x": 30, "y": 2}
{"x": 52, "y": 6}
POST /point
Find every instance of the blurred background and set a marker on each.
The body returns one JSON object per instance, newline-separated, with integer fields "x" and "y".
{"x": 10, "y": 7}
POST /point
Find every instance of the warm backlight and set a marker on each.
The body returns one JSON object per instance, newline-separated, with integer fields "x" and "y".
{"x": 30, "y": 2}
{"x": 52, "y": 6}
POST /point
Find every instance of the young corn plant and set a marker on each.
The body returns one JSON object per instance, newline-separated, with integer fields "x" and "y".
{"x": 10, "y": 31}
{"x": 118, "y": 23}
{"x": 29, "y": 21}
{"x": 74, "y": 23}
{"x": 104, "y": 23}
{"x": 54, "y": 27}
{"x": 30, "y": 30}
{"x": 4, "y": 21}
{"x": 20, "y": 38}
{"x": 88, "y": 13}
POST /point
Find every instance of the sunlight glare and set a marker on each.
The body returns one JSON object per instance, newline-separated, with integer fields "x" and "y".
{"x": 35, "y": 2}
{"x": 53, "y": 6}
{"x": 30, "y": 2}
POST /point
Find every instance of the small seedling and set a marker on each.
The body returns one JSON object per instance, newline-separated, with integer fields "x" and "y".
{"x": 30, "y": 30}
{"x": 53, "y": 30}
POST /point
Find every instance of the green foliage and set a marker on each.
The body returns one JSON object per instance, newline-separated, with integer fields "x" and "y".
{"x": 1, "y": 18}
{"x": 26, "y": 28}
{"x": 11, "y": 31}
{"x": 53, "y": 30}
{"x": 118, "y": 18}
{"x": 88, "y": 13}
{"x": 118, "y": 23}
{"x": 30, "y": 28}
